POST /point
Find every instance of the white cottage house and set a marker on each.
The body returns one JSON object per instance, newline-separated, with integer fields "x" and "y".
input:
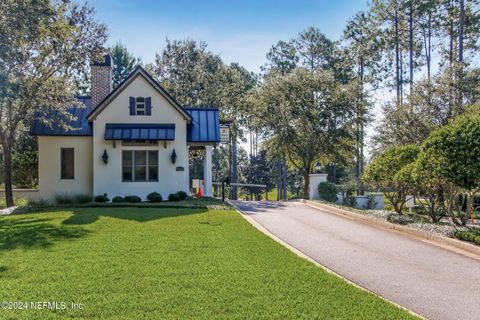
{"x": 132, "y": 140}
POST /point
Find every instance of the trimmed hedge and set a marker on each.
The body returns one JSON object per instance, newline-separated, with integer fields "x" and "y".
{"x": 173, "y": 197}
{"x": 327, "y": 191}
{"x": 101, "y": 198}
{"x": 118, "y": 199}
{"x": 182, "y": 195}
{"x": 133, "y": 199}
{"x": 155, "y": 197}
{"x": 472, "y": 235}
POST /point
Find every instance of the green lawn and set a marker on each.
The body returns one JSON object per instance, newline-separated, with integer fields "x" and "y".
{"x": 164, "y": 263}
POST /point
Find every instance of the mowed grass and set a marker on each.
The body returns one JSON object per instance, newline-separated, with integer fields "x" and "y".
{"x": 163, "y": 263}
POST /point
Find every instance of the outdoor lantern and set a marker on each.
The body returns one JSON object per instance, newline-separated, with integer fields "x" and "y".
{"x": 318, "y": 167}
{"x": 105, "y": 156}
{"x": 173, "y": 156}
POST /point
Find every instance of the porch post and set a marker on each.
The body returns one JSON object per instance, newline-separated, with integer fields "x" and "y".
{"x": 207, "y": 172}
{"x": 187, "y": 172}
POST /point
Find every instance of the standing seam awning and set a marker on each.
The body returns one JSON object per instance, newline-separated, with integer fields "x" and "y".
{"x": 150, "y": 132}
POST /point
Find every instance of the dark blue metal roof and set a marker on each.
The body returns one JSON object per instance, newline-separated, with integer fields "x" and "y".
{"x": 143, "y": 131}
{"x": 205, "y": 125}
{"x": 81, "y": 126}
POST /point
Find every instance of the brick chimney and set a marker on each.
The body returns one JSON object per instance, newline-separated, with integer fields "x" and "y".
{"x": 101, "y": 79}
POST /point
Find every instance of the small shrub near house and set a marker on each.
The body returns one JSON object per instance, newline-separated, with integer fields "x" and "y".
{"x": 63, "y": 198}
{"x": 133, "y": 199}
{"x": 327, "y": 191}
{"x": 155, "y": 197}
{"x": 83, "y": 198}
{"x": 173, "y": 197}
{"x": 182, "y": 195}
{"x": 118, "y": 199}
{"x": 102, "y": 198}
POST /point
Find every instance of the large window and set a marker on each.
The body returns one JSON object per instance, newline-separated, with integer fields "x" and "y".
{"x": 67, "y": 170}
{"x": 139, "y": 166}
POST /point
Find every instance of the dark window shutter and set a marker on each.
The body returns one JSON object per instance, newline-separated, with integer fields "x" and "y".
{"x": 132, "y": 106}
{"x": 148, "y": 106}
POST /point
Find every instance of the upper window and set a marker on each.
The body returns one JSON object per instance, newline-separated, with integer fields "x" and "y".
{"x": 140, "y": 106}
{"x": 67, "y": 170}
{"x": 139, "y": 166}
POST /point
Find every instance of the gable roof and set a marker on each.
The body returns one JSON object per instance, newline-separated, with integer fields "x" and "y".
{"x": 79, "y": 123}
{"x": 138, "y": 71}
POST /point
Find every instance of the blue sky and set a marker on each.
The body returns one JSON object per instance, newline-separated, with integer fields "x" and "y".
{"x": 239, "y": 31}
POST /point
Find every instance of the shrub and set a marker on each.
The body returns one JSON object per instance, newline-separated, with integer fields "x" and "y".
{"x": 83, "y": 198}
{"x": 155, "y": 197}
{"x": 327, "y": 191}
{"x": 118, "y": 199}
{"x": 63, "y": 198}
{"x": 173, "y": 197}
{"x": 133, "y": 199}
{"x": 38, "y": 203}
{"x": 385, "y": 172}
{"x": 472, "y": 235}
{"x": 371, "y": 203}
{"x": 182, "y": 195}
{"x": 101, "y": 198}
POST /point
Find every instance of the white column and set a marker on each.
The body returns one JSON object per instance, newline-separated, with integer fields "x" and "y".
{"x": 315, "y": 179}
{"x": 187, "y": 172}
{"x": 207, "y": 172}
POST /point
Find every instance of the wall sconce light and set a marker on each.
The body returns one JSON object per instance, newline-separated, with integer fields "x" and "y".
{"x": 105, "y": 156}
{"x": 173, "y": 156}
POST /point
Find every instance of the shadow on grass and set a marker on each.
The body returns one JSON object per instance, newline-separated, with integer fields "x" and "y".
{"x": 34, "y": 233}
{"x": 90, "y": 215}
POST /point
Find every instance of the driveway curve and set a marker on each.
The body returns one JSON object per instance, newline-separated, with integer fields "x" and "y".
{"x": 431, "y": 281}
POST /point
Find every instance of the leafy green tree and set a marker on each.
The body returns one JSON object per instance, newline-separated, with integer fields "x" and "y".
{"x": 123, "y": 62}
{"x": 362, "y": 56}
{"x": 457, "y": 147}
{"x": 43, "y": 45}
{"x": 282, "y": 57}
{"x": 385, "y": 172}
{"x": 306, "y": 115}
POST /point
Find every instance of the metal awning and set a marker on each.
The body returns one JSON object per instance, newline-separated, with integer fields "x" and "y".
{"x": 143, "y": 131}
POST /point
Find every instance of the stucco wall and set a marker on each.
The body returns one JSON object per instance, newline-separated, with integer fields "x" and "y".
{"x": 108, "y": 177}
{"x": 30, "y": 194}
{"x": 49, "y": 182}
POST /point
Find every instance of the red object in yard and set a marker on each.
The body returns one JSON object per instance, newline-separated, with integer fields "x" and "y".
{"x": 200, "y": 194}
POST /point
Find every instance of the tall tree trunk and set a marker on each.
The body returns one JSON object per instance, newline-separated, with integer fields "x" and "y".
{"x": 410, "y": 27}
{"x": 460, "y": 31}
{"x": 306, "y": 181}
{"x": 397, "y": 56}
{"x": 429, "y": 45}
{"x": 460, "y": 54}
{"x": 7, "y": 174}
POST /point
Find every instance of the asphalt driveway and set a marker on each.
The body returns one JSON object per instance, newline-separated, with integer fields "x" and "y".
{"x": 431, "y": 281}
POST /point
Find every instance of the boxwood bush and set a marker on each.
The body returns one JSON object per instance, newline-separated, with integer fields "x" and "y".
{"x": 83, "y": 198}
{"x": 327, "y": 191}
{"x": 101, "y": 198}
{"x": 133, "y": 199}
{"x": 64, "y": 198}
{"x": 472, "y": 235}
{"x": 182, "y": 195}
{"x": 155, "y": 197}
{"x": 118, "y": 199}
{"x": 173, "y": 197}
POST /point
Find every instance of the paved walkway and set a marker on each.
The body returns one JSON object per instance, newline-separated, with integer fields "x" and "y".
{"x": 431, "y": 281}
